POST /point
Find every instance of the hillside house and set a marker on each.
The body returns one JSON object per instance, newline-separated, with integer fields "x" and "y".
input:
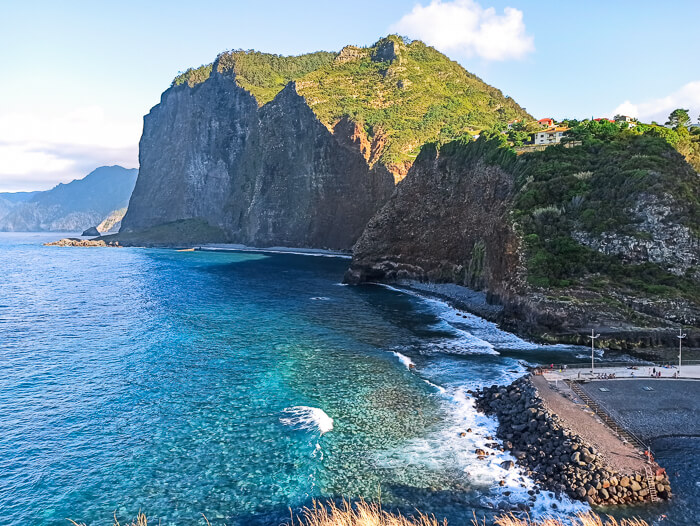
{"x": 511, "y": 123}
{"x": 631, "y": 121}
{"x": 552, "y": 135}
{"x": 547, "y": 123}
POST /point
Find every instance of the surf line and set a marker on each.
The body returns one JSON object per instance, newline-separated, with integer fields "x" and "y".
{"x": 308, "y": 418}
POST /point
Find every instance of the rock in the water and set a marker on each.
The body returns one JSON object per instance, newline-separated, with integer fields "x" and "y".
{"x": 91, "y": 232}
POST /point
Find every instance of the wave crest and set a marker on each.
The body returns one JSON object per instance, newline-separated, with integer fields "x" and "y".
{"x": 305, "y": 417}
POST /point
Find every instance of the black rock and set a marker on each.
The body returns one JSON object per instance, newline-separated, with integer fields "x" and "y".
{"x": 91, "y": 232}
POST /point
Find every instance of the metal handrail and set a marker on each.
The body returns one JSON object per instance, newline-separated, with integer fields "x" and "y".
{"x": 602, "y": 365}
{"x": 607, "y": 418}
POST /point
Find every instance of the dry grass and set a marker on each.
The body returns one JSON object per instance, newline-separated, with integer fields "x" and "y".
{"x": 368, "y": 514}
{"x": 364, "y": 513}
{"x": 360, "y": 514}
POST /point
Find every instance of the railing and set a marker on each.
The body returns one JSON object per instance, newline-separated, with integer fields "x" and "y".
{"x": 607, "y": 365}
{"x": 620, "y": 431}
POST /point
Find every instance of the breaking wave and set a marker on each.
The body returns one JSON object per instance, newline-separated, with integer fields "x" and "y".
{"x": 405, "y": 360}
{"x": 309, "y": 418}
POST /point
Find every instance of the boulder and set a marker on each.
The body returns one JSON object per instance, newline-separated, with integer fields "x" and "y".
{"x": 91, "y": 232}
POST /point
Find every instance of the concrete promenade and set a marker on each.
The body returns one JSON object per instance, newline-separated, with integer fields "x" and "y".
{"x": 648, "y": 407}
{"x": 688, "y": 372}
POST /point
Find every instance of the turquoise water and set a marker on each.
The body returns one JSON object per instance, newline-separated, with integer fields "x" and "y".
{"x": 237, "y": 385}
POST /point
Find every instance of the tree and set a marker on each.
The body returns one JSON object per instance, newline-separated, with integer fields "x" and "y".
{"x": 679, "y": 117}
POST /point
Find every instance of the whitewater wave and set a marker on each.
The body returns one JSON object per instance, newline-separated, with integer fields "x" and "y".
{"x": 405, "y": 360}
{"x": 476, "y": 335}
{"x": 309, "y": 418}
{"x": 452, "y": 449}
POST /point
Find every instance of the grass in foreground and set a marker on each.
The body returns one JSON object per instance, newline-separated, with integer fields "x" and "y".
{"x": 371, "y": 514}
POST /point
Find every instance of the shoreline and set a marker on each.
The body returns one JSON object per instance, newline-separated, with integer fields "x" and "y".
{"x": 299, "y": 251}
{"x": 544, "y": 433}
{"x": 476, "y": 302}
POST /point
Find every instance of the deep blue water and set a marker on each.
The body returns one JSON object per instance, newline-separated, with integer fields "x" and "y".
{"x": 182, "y": 383}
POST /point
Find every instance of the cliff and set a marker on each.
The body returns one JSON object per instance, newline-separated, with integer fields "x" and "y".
{"x": 300, "y": 151}
{"x": 598, "y": 236}
{"x": 71, "y": 207}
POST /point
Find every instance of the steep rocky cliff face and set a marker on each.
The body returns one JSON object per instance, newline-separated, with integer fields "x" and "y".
{"x": 447, "y": 222}
{"x": 270, "y": 175}
{"x": 460, "y": 216}
{"x": 302, "y": 151}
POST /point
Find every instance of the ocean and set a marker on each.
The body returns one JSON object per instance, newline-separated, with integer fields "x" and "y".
{"x": 239, "y": 385}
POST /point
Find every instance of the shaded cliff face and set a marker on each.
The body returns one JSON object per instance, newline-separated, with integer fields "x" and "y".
{"x": 475, "y": 215}
{"x": 447, "y": 222}
{"x": 272, "y": 175}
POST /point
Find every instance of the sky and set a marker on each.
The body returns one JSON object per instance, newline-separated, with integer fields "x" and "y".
{"x": 78, "y": 76}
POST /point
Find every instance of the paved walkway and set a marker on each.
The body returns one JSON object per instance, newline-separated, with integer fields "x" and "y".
{"x": 575, "y": 415}
{"x": 688, "y": 372}
{"x": 650, "y": 407}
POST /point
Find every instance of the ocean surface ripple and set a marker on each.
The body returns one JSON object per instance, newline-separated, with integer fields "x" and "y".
{"x": 238, "y": 385}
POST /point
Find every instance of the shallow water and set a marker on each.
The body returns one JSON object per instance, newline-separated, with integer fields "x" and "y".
{"x": 238, "y": 385}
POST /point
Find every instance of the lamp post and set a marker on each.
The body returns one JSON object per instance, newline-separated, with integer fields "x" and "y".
{"x": 593, "y": 336}
{"x": 680, "y": 348}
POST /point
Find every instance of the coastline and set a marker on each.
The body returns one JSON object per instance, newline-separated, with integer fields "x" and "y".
{"x": 545, "y": 436}
{"x": 644, "y": 343}
{"x": 300, "y": 251}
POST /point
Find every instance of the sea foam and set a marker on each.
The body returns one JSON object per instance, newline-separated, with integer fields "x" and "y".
{"x": 405, "y": 360}
{"x": 309, "y": 418}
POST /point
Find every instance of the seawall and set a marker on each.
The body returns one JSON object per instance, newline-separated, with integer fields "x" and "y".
{"x": 559, "y": 459}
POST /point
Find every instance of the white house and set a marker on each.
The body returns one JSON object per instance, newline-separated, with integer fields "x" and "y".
{"x": 552, "y": 135}
{"x": 631, "y": 121}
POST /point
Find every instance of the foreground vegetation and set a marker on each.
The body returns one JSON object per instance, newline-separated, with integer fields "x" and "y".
{"x": 371, "y": 514}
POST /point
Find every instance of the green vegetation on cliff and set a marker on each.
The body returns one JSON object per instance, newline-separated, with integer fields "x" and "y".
{"x": 602, "y": 189}
{"x": 406, "y": 93}
{"x": 403, "y": 94}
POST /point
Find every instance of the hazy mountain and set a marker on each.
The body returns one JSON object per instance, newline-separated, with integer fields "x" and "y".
{"x": 74, "y": 206}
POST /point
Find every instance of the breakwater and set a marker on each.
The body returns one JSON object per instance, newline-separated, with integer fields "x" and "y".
{"x": 558, "y": 458}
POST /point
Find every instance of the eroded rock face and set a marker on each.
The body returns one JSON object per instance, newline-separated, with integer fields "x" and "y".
{"x": 661, "y": 239}
{"x": 447, "y": 222}
{"x": 272, "y": 175}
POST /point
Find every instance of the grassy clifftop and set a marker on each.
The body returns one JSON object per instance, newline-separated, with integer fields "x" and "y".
{"x": 403, "y": 94}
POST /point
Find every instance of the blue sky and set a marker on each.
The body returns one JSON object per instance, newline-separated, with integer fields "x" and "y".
{"x": 79, "y": 76}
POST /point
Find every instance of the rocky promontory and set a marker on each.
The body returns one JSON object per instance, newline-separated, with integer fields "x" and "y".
{"x": 556, "y": 457}
{"x": 302, "y": 150}
{"x": 76, "y": 242}
{"x": 475, "y": 215}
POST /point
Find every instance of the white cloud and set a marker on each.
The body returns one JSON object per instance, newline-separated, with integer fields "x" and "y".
{"x": 687, "y": 97}
{"x": 464, "y": 27}
{"x": 38, "y": 151}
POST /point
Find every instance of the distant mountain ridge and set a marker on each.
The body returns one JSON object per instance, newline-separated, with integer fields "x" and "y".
{"x": 74, "y": 206}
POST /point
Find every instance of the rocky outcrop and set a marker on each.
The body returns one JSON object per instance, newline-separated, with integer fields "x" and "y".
{"x": 659, "y": 238}
{"x": 75, "y": 242}
{"x": 447, "y": 222}
{"x": 451, "y": 220}
{"x": 557, "y": 458}
{"x": 270, "y": 175}
{"x": 91, "y": 232}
